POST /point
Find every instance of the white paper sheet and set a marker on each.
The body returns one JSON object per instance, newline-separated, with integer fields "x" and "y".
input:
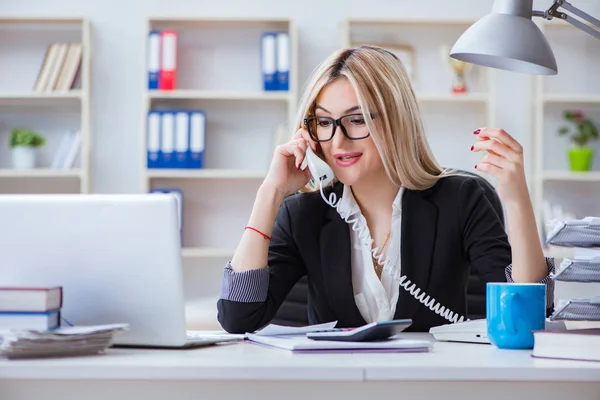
{"x": 87, "y": 329}
{"x": 276, "y": 330}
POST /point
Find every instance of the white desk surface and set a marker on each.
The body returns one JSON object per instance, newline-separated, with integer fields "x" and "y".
{"x": 247, "y": 361}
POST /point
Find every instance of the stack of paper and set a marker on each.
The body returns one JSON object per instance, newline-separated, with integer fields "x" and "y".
{"x": 295, "y": 339}
{"x": 303, "y": 344}
{"x": 67, "y": 341}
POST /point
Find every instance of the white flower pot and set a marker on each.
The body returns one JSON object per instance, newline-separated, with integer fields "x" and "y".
{"x": 23, "y": 157}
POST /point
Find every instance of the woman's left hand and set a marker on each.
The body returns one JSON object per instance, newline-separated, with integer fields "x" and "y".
{"x": 504, "y": 160}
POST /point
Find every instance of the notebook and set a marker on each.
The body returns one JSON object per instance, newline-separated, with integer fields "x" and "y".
{"x": 578, "y": 344}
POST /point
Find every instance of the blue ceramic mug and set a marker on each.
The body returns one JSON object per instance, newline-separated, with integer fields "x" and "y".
{"x": 514, "y": 311}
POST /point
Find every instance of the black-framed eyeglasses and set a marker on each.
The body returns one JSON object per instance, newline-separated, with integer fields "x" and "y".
{"x": 322, "y": 128}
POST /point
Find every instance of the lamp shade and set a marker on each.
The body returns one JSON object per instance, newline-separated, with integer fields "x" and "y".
{"x": 506, "y": 41}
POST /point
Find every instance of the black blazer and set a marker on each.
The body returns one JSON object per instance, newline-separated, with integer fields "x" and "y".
{"x": 446, "y": 230}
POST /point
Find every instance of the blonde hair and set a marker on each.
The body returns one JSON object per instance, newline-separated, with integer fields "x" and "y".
{"x": 383, "y": 89}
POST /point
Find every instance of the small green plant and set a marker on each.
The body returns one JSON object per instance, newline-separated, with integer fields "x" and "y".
{"x": 26, "y": 138}
{"x": 583, "y": 129}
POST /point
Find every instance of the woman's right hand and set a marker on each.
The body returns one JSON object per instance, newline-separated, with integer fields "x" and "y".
{"x": 285, "y": 175}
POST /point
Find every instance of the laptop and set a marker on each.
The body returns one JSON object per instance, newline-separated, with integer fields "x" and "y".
{"x": 117, "y": 257}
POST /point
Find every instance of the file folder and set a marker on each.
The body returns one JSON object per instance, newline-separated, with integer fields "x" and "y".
{"x": 153, "y": 139}
{"x": 182, "y": 134}
{"x": 167, "y": 140}
{"x": 283, "y": 61}
{"x": 153, "y": 59}
{"x": 269, "y": 61}
{"x": 168, "y": 57}
{"x": 197, "y": 139}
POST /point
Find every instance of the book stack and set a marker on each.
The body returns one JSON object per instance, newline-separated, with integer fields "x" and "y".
{"x": 582, "y": 237}
{"x": 30, "y": 308}
{"x": 30, "y": 326}
{"x": 60, "y": 67}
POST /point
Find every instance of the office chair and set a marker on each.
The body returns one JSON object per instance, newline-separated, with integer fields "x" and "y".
{"x": 294, "y": 309}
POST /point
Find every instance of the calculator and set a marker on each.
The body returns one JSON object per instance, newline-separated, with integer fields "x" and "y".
{"x": 367, "y": 333}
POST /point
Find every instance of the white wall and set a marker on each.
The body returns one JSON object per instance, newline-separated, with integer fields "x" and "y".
{"x": 119, "y": 38}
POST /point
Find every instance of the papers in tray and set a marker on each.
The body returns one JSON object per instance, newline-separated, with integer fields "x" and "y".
{"x": 577, "y": 310}
{"x": 575, "y": 233}
{"x": 64, "y": 341}
{"x": 579, "y": 270}
{"x": 303, "y": 344}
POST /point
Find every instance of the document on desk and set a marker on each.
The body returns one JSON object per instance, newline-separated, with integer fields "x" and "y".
{"x": 269, "y": 330}
{"x": 301, "y": 343}
{"x": 280, "y": 330}
{"x": 64, "y": 341}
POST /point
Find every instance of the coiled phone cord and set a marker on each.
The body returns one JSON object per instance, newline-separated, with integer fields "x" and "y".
{"x": 405, "y": 283}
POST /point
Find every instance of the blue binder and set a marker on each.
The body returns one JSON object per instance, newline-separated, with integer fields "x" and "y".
{"x": 167, "y": 157}
{"x": 153, "y": 139}
{"x": 283, "y": 61}
{"x": 197, "y": 139}
{"x": 269, "y": 60}
{"x": 153, "y": 61}
{"x": 182, "y": 139}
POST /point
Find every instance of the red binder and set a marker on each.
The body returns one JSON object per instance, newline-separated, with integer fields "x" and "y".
{"x": 168, "y": 58}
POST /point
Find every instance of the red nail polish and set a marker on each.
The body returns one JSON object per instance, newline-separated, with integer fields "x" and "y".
{"x": 472, "y": 147}
{"x": 477, "y": 131}
{"x": 475, "y": 166}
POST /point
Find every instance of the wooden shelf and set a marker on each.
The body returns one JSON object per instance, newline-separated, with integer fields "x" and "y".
{"x": 182, "y": 94}
{"x": 186, "y": 22}
{"x": 40, "y": 173}
{"x": 453, "y": 98}
{"x": 206, "y": 252}
{"x": 41, "y": 21}
{"x": 571, "y": 99}
{"x": 205, "y": 173}
{"x": 37, "y": 98}
{"x": 592, "y": 176}
{"x": 412, "y": 21}
{"x": 51, "y": 113}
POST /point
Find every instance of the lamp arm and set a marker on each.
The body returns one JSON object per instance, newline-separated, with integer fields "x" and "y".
{"x": 553, "y": 12}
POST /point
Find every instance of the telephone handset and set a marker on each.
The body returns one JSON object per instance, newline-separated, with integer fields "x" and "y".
{"x": 320, "y": 170}
{"x": 323, "y": 175}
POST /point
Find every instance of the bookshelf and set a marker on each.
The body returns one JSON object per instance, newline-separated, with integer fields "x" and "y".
{"x": 576, "y": 87}
{"x": 449, "y": 118}
{"x": 24, "y": 42}
{"x": 243, "y": 123}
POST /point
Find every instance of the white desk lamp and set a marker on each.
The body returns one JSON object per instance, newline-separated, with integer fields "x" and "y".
{"x": 508, "y": 39}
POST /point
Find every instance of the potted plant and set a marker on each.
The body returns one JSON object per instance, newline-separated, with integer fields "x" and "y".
{"x": 23, "y": 143}
{"x": 583, "y": 130}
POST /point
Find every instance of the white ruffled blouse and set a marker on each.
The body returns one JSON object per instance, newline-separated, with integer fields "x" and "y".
{"x": 376, "y": 299}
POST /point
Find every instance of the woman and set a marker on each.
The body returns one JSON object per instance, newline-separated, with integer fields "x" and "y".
{"x": 412, "y": 219}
